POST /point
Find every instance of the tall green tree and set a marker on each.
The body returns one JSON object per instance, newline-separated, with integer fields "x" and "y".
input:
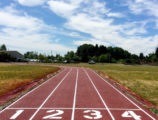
{"x": 156, "y": 52}
{"x": 31, "y": 55}
{"x": 141, "y": 56}
{"x": 102, "y": 50}
{"x": 59, "y": 58}
{"x": 85, "y": 51}
{"x": 105, "y": 58}
{"x": 3, "y": 47}
{"x": 97, "y": 52}
{"x": 70, "y": 56}
{"x": 41, "y": 57}
{"x": 154, "y": 58}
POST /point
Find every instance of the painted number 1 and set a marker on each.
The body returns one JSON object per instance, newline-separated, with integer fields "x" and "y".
{"x": 94, "y": 114}
{"x": 18, "y": 112}
{"x": 131, "y": 114}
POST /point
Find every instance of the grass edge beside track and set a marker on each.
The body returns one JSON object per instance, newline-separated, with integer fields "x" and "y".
{"x": 22, "y": 93}
{"x": 104, "y": 76}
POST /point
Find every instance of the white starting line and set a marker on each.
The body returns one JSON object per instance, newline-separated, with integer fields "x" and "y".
{"x": 75, "y": 108}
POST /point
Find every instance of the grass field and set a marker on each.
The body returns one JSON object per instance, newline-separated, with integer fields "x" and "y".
{"x": 13, "y": 76}
{"x": 143, "y": 80}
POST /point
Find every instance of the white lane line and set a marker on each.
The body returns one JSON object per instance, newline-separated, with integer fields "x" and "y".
{"x": 100, "y": 95}
{"x": 125, "y": 96}
{"x": 75, "y": 109}
{"x": 74, "y": 103}
{"x": 31, "y": 91}
{"x": 49, "y": 96}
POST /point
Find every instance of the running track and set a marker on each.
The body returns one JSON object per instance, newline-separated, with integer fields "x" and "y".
{"x": 76, "y": 94}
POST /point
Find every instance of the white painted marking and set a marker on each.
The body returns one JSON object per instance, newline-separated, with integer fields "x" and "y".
{"x": 125, "y": 96}
{"x": 74, "y": 103}
{"x": 49, "y": 96}
{"x": 31, "y": 91}
{"x": 55, "y": 115}
{"x": 18, "y": 112}
{"x": 100, "y": 96}
{"x": 94, "y": 114}
{"x": 21, "y": 108}
{"x": 79, "y": 108}
{"x": 131, "y": 114}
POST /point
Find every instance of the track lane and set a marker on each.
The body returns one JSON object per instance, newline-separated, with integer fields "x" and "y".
{"x": 79, "y": 94}
{"x": 88, "y": 102}
{"x": 32, "y": 117}
{"x": 100, "y": 95}
{"x": 74, "y": 101}
{"x": 32, "y": 99}
{"x": 116, "y": 99}
{"x": 86, "y": 97}
{"x": 37, "y": 96}
{"x": 110, "y": 95}
{"x": 62, "y": 98}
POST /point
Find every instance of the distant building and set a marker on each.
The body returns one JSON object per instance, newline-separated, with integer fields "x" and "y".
{"x": 14, "y": 54}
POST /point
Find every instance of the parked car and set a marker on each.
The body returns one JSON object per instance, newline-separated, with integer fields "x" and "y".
{"x": 66, "y": 61}
{"x": 91, "y": 62}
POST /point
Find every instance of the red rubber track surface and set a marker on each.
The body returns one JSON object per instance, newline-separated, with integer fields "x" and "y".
{"x": 76, "y": 94}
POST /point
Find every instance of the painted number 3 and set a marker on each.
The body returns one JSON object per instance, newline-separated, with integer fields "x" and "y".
{"x": 94, "y": 114}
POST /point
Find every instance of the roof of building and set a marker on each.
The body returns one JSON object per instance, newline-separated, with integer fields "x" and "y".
{"x": 14, "y": 54}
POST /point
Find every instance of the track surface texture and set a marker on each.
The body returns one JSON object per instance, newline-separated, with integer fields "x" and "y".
{"x": 76, "y": 94}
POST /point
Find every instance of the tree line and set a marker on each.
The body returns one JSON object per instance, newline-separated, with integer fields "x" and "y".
{"x": 88, "y": 52}
{"x": 102, "y": 54}
{"x": 110, "y": 54}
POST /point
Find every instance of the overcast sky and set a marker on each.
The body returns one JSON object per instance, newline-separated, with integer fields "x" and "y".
{"x": 62, "y": 25}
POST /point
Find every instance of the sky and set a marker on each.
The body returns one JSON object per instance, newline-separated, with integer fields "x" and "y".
{"x": 58, "y": 26}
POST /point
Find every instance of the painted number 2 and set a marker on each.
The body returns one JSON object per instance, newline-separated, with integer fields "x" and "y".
{"x": 131, "y": 114}
{"x": 55, "y": 114}
{"x": 94, "y": 114}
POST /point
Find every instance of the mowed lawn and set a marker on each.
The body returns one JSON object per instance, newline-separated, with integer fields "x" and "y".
{"x": 141, "y": 79}
{"x": 13, "y": 76}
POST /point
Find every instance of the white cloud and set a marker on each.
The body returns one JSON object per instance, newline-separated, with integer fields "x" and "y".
{"x": 103, "y": 31}
{"x": 31, "y": 3}
{"x": 144, "y": 7}
{"x": 74, "y": 34}
{"x": 95, "y": 8}
{"x": 139, "y": 6}
{"x": 92, "y": 17}
{"x": 28, "y": 42}
{"x": 61, "y": 8}
{"x": 25, "y": 32}
{"x": 10, "y": 9}
{"x": 134, "y": 28}
{"x": 117, "y": 15}
{"x": 137, "y": 44}
{"x": 26, "y": 22}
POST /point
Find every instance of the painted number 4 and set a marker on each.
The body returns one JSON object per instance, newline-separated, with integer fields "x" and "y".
{"x": 94, "y": 114}
{"x": 131, "y": 114}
